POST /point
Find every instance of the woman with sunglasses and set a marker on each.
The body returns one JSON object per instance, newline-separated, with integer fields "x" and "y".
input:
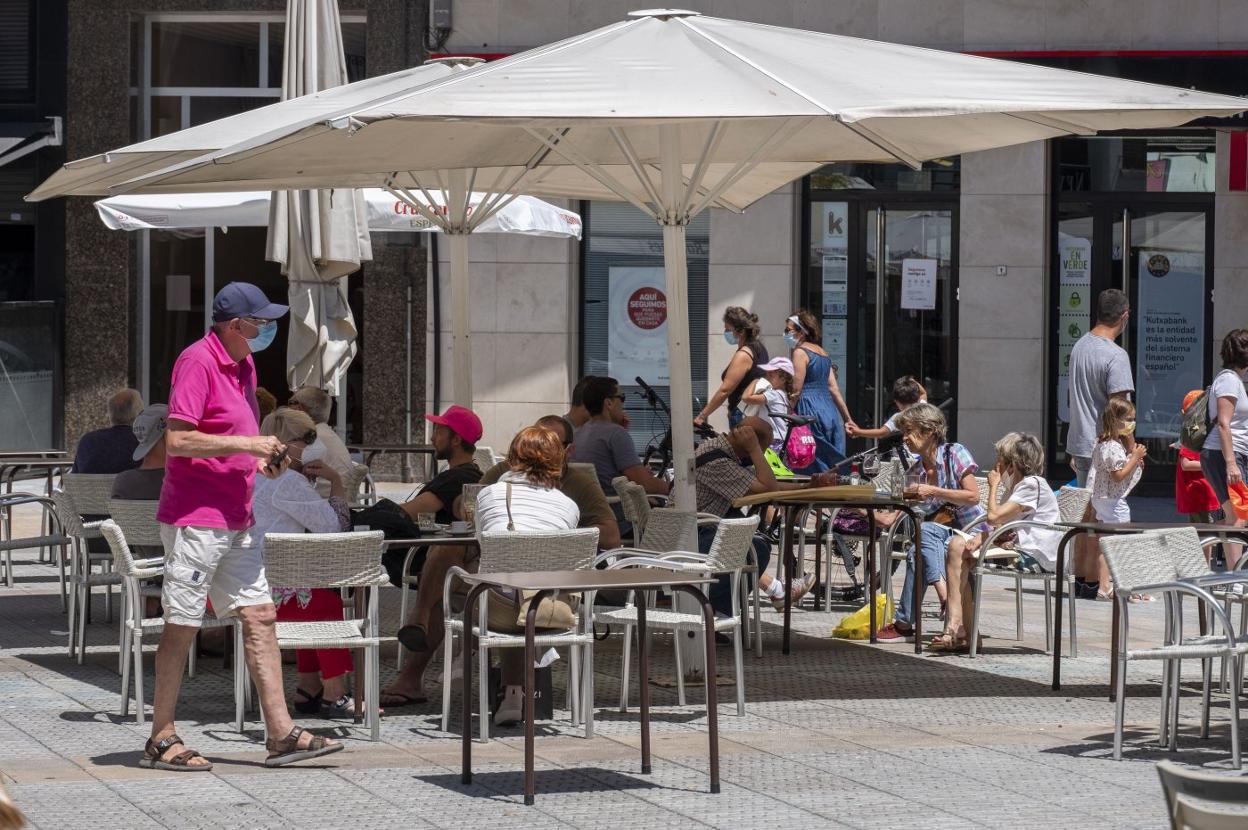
{"x": 289, "y": 503}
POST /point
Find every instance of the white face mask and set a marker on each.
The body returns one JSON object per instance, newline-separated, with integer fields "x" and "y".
{"x": 316, "y": 451}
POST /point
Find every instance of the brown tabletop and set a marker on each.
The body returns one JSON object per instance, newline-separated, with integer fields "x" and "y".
{"x": 1108, "y": 529}
{"x": 549, "y": 582}
{"x": 859, "y": 496}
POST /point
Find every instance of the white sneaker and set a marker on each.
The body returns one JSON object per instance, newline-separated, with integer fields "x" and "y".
{"x": 511, "y": 710}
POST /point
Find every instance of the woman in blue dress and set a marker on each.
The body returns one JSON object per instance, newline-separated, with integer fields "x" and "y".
{"x": 818, "y": 394}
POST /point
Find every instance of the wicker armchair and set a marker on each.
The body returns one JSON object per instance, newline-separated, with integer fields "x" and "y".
{"x": 995, "y": 561}
{"x": 511, "y": 552}
{"x": 55, "y": 539}
{"x": 81, "y": 576}
{"x": 638, "y": 505}
{"x": 667, "y": 531}
{"x": 729, "y": 555}
{"x": 1188, "y": 793}
{"x": 352, "y": 482}
{"x": 333, "y": 560}
{"x": 138, "y": 518}
{"x": 1158, "y": 563}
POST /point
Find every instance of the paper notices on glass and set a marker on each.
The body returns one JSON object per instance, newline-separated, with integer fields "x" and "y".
{"x": 918, "y": 284}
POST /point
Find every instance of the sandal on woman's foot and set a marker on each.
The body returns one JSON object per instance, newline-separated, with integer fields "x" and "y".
{"x": 399, "y": 699}
{"x": 1101, "y": 596}
{"x": 153, "y": 753}
{"x": 946, "y": 642}
{"x": 308, "y": 704}
{"x": 1143, "y": 598}
{"x": 287, "y": 751}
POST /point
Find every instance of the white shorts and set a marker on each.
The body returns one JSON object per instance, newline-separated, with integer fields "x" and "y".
{"x": 208, "y": 562}
{"x": 1112, "y": 511}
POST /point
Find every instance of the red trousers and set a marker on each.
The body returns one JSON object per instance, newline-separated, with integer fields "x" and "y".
{"x": 324, "y": 605}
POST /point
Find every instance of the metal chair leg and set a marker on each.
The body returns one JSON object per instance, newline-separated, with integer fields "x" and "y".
{"x": 483, "y": 688}
{"x": 740, "y": 671}
{"x": 625, "y": 657}
{"x": 1236, "y": 666}
{"x": 977, "y": 588}
{"x": 680, "y": 663}
{"x": 1048, "y": 617}
{"x": 1018, "y": 609}
{"x": 1074, "y": 636}
{"x": 447, "y": 658}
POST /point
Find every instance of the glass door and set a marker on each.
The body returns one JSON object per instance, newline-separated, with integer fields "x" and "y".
{"x": 913, "y": 309}
{"x": 905, "y": 324}
{"x": 1159, "y": 254}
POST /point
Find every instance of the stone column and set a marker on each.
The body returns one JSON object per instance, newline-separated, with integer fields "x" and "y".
{"x": 1003, "y": 221}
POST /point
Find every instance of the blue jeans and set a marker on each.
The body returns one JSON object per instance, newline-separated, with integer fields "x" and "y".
{"x": 721, "y": 589}
{"x": 935, "y": 539}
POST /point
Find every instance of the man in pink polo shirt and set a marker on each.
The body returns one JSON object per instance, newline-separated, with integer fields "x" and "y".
{"x": 214, "y": 452}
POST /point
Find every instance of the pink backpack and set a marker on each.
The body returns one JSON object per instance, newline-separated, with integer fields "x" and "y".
{"x": 800, "y": 451}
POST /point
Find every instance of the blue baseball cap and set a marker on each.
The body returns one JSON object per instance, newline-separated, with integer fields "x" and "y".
{"x": 242, "y": 299}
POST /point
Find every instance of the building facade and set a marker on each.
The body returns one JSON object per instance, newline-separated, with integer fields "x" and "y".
{"x": 990, "y": 261}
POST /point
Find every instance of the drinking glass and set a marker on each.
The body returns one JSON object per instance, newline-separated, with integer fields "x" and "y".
{"x": 470, "y": 503}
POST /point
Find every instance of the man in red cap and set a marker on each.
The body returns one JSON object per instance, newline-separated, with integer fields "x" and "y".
{"x": 455, "y": 435}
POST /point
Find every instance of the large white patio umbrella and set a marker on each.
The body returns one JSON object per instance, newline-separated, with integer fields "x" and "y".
{"x": 675, "y": 112}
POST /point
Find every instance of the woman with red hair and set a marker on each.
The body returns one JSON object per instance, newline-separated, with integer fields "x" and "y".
{"x": 527, "y": 497}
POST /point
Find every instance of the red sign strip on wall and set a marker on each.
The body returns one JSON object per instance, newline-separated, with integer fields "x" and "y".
{"x": 1237, "y": 164}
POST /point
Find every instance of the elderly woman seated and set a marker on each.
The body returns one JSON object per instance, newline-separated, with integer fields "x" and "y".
{"x": 527, "y": 497}
{"x": 1027, "y": 497}
{"x": 291, "y": 504}
{"x": 943, "y": 477}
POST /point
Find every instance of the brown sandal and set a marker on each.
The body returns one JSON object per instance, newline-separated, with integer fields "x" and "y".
{"x": 286, "y": 750}
{"x": 153, "y": 752}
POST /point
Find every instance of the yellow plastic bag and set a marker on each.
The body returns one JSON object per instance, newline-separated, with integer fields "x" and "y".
{"x": 857, "y": 626}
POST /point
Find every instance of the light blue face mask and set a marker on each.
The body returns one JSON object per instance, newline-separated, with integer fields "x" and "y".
{"x": 731, "y": 337}
{"x": 790, "y": 340}
{"x": 264, "y": 337}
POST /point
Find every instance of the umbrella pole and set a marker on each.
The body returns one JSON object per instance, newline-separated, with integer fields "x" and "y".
{"x": 675, "y": 269}
{"x": 461, "y": 353}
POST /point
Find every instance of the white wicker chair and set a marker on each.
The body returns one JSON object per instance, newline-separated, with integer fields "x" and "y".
{"x": 91, "y": 494}
{"x": 138, "y": 518}
{"x": 1188, "y": 792}
{"x": 81, "y": 576}
{"x": 352, "y": 484}
{"x": 333, "y": 560}
{"x": 637, "y": 505}
{"x": 1158, "y": 563}
{"x": 55, "y": 538}
{"x": 512, "y": 552}
{"x": 995, "y": 561}
{"x": 667, "y": 530}
{"x": 729, "y": 554}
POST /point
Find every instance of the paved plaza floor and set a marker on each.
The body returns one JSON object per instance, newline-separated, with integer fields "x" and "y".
{"x": 837, "y": 734}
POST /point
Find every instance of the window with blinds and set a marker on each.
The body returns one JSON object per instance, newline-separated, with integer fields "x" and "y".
{"x": 16, "y": 33}
{"x": 623, "y": 306}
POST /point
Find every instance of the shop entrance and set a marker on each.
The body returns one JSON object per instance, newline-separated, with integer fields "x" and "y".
{"x": 1159, "y": 253}
{"x": 903, "y": 324}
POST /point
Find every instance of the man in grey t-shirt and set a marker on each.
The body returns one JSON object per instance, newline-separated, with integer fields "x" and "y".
{"x": 603, "y": 442}
{"x": 1099, "y": 370}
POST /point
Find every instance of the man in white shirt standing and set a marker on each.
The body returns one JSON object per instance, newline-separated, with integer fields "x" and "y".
{"x": 1100, "y": 369}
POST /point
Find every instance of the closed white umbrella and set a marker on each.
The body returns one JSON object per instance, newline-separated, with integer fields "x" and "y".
{"x": 676, "y": 112}
{"x": 386, "y": 213}
{"x": 317, "y": 236}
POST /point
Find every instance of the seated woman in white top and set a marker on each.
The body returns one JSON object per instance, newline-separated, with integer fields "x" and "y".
{"x": 1028, "y": 497}
{"x": 291, "y": 504}
{"x": 526, "y": 498}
